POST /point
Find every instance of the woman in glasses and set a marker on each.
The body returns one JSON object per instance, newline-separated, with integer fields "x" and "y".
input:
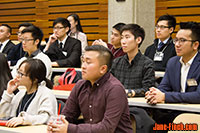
{"x": 33, "y": 105}
{"x": 76, "y": 30}
{"x": 5, "y": 74}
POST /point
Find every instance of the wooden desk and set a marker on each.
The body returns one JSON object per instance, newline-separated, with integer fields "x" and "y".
{"x": 159, "y": 74}
{"x": 61, "y": 94}
{"x": 24, "y": 129}
{"x": 141, "y": 102}
{"x": 63, "y": 69}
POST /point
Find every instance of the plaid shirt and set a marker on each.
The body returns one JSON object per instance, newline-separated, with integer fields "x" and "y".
{"x": 138, "y": 75}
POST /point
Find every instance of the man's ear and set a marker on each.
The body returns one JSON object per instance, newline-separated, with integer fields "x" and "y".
{"x": 171, "y": 29}
{"x": 66, "y": 29}
{"x": 37, "y": 42}
{"x": 196, "y": 45}
{"x": 103, "y": 69}
{"x": 139, "y": 40}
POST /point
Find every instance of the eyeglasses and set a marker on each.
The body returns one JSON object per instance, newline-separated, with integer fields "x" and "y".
{"x": 26, "y": 40}
{"x": 20, "y": 74}
{"x": 57, "y": 28}
{"x": 181, "y": 40}
{"x": 161, "y": 27}
{"x": 19, "y": 33}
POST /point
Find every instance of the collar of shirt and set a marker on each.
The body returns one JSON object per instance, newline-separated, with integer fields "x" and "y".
{"x": 135, "y": 59}
{"x": 165, "y": 41}
{"x": 100, "y": 81}
{"x": 3, "y": 45}
{"x": 189, "y": 62}
{"x": 33, "y": 54}
{"x": 63, "y": 41}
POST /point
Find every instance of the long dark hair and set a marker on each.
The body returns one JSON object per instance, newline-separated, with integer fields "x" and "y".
{"x": 76, "y": 19}
{"x": 5, "y": 74}
{"x": 36, "y": 70}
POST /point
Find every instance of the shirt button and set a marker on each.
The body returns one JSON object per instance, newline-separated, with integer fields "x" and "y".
{"x": 90, "y": 106}
{"x": 90, "y": 119}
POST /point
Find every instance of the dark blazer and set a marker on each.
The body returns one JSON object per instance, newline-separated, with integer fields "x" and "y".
{"x": 7, "y": 49}
{"x": 16, "y": 53}
{"x": 169, "y": 52}
{"x": 72, "y": 47}
{"x": 171, "y": 83}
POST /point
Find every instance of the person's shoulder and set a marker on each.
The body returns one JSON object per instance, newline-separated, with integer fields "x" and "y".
{"x": 10, "y": 43}
{"x": 174, "y": 59}
{"x": 146, "y": 59}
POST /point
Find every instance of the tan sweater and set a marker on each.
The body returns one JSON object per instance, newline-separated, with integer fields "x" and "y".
{"x": 39, "y": 111}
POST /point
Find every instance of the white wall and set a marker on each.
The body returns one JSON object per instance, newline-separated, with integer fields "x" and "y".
{"x": 141, "y": 12}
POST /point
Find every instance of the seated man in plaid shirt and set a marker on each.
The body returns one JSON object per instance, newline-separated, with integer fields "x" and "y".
{"x": 134, "y": 70}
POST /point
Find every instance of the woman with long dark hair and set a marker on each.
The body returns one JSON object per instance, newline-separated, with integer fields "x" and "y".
{"x": 33, "y": 105}
{"x": 5, "y": 74}
{"x": 76, "y": 30}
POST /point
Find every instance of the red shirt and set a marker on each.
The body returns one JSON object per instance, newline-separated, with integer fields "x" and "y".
{"x": 104, "y": 107}
{"x": 116, "y": 52}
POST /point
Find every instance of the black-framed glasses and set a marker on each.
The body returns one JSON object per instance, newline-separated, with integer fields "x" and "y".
{"x": 20, "y": 73}
{"x": 181, "y": 40}
{"x": 161, "y": 27}
{"x": 58, "y": 28}
{"x": 26, "y": 40}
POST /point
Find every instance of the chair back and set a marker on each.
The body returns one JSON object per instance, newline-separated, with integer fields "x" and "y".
{"x": 188, "y": 118}
{"x": 61, "y": 105}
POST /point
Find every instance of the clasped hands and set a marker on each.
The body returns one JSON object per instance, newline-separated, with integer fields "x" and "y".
{"x": 154, "y": 96}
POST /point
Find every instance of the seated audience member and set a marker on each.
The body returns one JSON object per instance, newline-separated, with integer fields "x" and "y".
{"x": 5, "y": 74}
{"x": 115, "y": 45}
{"x": 163, "y": 47}
{"x": 5, "y": 43}
{"x": 63, "y": 50}
{"x": 31, "y": 39}
{"x": 76, "y": 30}
{"x": 33, "y": 105}
{"x": 17, "y": 51}
{"x": 99, "y": 97}
{"x": 134, "y": 70}
{"x": 181, "y": 82}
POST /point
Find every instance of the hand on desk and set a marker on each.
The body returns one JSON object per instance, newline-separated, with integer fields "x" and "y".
{"x": 154, "y": 96}
{"x": 58, "y": 127}
{"x": 15, "y": 121}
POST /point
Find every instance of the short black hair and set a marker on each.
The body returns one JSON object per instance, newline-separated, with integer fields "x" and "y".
{"x": 9, "y": 28}
{"x": 170, "y": 19}
{"x": 195, "y": 29}
{"x": 36, "y": 33}
{"x": 118, "y": 26}
{"x": 136, "y": 30}
{"x": 25, "y": 24}
{"x": 105, "y": 54}
{"x": 63, "y": 21}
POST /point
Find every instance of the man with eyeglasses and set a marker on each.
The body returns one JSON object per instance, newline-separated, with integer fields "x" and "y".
{"x": 181, "y": 82}
{"x": 63, "y": 50}
{"x": 31, "y": 39}
{"x": 6, "y": 44}
{"x": 163, "y": 48}
{"x": 17, "y": 51}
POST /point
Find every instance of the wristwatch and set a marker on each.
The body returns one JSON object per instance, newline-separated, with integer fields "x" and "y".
{"x": 129, "y": 94}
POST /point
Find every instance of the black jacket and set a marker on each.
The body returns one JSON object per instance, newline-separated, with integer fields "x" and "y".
{"x": 169, "y": 52}
{"x": 73, "y": 49}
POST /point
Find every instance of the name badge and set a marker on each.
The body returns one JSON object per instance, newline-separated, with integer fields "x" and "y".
{"x": 158, "y": 56}
{"x": 192, "y": 82}
{"x": 65, "y": 53}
